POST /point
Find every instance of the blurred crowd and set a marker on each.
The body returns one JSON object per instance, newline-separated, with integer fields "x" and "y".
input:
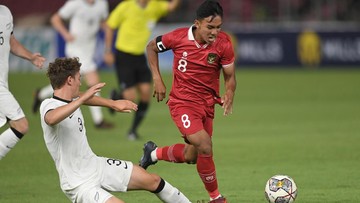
{"x": 236, "y": 11}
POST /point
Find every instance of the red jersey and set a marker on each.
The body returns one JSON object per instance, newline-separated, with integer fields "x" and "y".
{"x": 196, "y": 68}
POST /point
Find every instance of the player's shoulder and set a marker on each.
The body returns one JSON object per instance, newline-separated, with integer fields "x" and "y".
{"x": 177, "y": 34}
{"x": 73, "y": 3}
{"x": 223, "y": 39}
{"x": 225, "y": 36}
{"x": 103, "y": 2}
{"x": 180, "y": 31}
{"x": 50, "y": 103}
{"x": 4, "y": 10}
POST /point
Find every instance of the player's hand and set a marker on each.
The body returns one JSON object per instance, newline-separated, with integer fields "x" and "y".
{"x": 159, "y": 90}
{"x": 124, "y": 106}
{"x": 92, "y": 91}
{"x": 69, "y": 37}
{"x": 109, "y": 58}
{"x": 227, "y": 102}
{"x": 38, "y": 60}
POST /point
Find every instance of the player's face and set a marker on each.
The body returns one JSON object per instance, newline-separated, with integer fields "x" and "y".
{"x": 208, "y": 29}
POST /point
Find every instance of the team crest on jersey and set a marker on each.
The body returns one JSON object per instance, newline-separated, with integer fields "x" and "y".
{"x": 211, "y": 58}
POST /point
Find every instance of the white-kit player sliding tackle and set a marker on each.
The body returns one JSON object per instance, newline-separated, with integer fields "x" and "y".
{"x": 84, "y": 176}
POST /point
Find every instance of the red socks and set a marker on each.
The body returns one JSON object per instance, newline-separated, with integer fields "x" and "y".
{"x": 205, "y": 165}
{"x": 173, "y": 153}
{"x": 206, "y": 169}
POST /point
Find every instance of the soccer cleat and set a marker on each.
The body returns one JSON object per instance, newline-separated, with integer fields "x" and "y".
{"x": 36, "y": 101}
{"x": 104, "y": 125}
{"x": 132, "y": 136}
{"x": 219, "y": 200}
{"x": 146, "y": 160}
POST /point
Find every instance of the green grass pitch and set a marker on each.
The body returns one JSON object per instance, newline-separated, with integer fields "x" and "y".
{"x": 300, "y": 122}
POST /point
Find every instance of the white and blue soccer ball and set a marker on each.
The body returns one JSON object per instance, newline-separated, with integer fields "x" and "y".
{"x": 280, "y": 189}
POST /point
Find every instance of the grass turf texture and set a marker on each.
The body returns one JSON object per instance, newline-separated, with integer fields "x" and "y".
{"x": 303, "y": 123}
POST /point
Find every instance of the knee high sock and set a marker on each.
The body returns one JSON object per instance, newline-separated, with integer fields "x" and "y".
{"x": 206, "y": 169}
{"x": 139, "y": 115}
{"x": 46, "y": 92}
{"x": 96, "y": 112}
{"x": 8, "y": 140}
{"x": 173, "y": 153}
{"x": 169, "y": 194}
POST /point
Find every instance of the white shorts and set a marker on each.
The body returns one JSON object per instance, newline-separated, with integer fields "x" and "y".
{"x": 113, "y": 176}
{"x": 9, "y": 107}
{"x": 85, "y": 52}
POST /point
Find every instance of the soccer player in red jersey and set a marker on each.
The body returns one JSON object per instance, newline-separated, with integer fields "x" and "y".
{"x": 201, "y": 52}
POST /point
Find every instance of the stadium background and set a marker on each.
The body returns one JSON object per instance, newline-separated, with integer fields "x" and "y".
{"x": 295, "y": 112}
{"x": 322, "y": 33}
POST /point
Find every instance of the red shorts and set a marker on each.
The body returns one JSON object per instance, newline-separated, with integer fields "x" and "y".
{"x": 191, "y": 117}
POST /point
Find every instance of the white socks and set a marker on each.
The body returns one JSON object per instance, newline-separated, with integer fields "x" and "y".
{"x": 8, "y": 140}
{"x": 96, "y": 112}
{"x": 170, "y": 194}
{"x": 46, "y": 92}
{"x": 153, "y": 155}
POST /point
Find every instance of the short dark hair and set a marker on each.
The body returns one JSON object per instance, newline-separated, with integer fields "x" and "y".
{"x": 61, "y": 69}
{"x": 209, "y": 8}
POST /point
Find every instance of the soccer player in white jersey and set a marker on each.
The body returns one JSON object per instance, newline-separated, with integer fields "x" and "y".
{"x": 10, "y": 110}
{"x": 85, "y": 177}
{"x": 85, "y": 20}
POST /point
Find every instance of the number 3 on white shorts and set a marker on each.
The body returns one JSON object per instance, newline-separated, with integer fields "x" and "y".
{"x": 185, "y": 120}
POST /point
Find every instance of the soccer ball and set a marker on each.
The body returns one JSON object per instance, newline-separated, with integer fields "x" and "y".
{"x": 280, "y": 189}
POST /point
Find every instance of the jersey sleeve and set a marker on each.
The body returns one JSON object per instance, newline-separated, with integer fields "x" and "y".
{"x": 116, "y": 16}
{"x": 68, "y": 9}
{"x": 6, "y": 12}
{"x": 165, "y": 42}
{"x": 228, "y": 56}
{"x": 46, "y": 106}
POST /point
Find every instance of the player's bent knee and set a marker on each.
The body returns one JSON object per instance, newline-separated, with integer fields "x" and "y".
{"x": 21, "y": 126}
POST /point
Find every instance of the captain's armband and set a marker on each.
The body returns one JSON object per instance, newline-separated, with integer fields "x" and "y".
{"x": 159, "y": 44}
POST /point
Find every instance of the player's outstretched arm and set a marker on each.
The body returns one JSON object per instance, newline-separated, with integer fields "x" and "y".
{"x": 55, "y": 116}
{"x": 58, "y": 24}
{"x": 89, "y": 97}
{"x": 19, "y": 50}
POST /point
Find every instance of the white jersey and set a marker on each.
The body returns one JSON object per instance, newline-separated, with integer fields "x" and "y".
{"x": 67, "y": 143}
{"x": 85, "y": 22}
{"x": 6, "y": 29}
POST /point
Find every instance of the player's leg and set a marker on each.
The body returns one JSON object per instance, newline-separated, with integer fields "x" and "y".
{"x": 142, "y": 180}
{"x": 205, "y": 164}
{"x": 11, "y": 110}
{"x": 91, "y": 192}
{"x": 92, "y": 78}
{"x": 120, "y": 176}
{"x": 188, "y": 121}
{"x": 126, "y": 75}
{"x": 40, "y": 95}
{"x": 113, "y": 199}
{"x": 142, "y": 79}
{"x": 144, "y": 90}
{"x": 11, "y": 136}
